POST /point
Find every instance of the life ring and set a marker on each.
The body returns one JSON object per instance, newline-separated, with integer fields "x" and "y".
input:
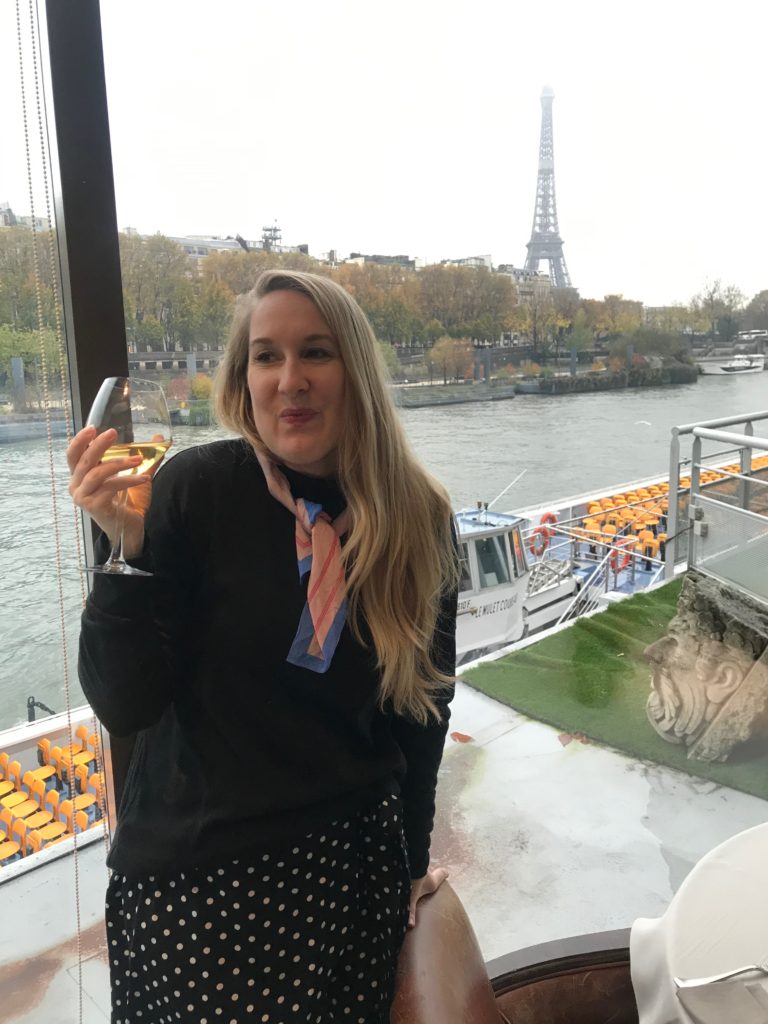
{"x": 619, "y": 564}
{"x": 547, "y": 520}
{"x": 539, "y": 541}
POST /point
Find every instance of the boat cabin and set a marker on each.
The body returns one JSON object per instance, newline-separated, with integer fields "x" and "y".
{"x": 494, "y": 579}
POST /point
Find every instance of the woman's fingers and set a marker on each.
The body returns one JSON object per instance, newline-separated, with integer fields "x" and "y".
{"x": 105, "y": 474}
{"x": 434, "y": 879}
{"x": 423, "y": 886}
{"x": 95, "y": 483}
{"x": 80, "y": 444}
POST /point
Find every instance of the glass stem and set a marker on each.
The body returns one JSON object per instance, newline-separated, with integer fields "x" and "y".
{"x": 116, "y": 558}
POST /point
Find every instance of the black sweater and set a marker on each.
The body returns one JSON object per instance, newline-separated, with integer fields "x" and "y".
{"x": 237, "y": 749}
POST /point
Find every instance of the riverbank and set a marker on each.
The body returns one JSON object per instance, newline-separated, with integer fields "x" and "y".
{"x": 423, "y": 396}
{"x": 584, "y": 383}
{"x": 29, "y": 427}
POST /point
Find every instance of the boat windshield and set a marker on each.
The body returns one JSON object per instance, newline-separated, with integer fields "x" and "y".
{"x": 492, "y": 561}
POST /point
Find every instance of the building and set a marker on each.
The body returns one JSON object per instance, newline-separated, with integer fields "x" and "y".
{"x": 383, "y": 261}
{"x": 474, "y": 262}
{"x": 8, "y": 219}
{"x": 530, "y": 284}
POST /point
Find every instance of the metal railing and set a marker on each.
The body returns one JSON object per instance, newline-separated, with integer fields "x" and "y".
{"x": 741, "y": 444}
{"x": 728, "y": 538}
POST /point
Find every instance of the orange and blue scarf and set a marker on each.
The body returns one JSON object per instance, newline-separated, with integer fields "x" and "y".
{"x": 318, "y": 552}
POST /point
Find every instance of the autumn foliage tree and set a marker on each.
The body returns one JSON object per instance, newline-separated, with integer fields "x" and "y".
{"x": 453, "y": 357}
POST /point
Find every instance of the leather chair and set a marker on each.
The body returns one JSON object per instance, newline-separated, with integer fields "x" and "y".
{"x": 442, "y": 978}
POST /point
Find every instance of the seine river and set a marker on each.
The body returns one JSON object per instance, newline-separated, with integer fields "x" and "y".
{"x": 566, "y": 445}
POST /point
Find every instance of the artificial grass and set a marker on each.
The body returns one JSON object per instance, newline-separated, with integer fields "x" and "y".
{"x": 592, "y": 679}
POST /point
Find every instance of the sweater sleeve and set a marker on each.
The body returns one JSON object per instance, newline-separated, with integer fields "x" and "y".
{"x": 129, "y": 656}
{"x": 422, "y": 746}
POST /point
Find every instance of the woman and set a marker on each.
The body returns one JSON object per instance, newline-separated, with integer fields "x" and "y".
{"x": 273, "y": 836}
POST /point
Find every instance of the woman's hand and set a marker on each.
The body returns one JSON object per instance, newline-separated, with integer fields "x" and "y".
{"x": 94, "y": 486}
{"x": 423, "y": 886}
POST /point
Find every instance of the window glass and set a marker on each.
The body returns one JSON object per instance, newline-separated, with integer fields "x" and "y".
{"x": 518, "y": 553}
{"x": 465, "y": 582}
{"x": 492, "y": 561}
{"x": 501, "y": 373}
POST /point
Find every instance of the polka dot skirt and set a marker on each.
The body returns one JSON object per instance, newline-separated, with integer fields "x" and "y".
{"x": 307, "y": 934}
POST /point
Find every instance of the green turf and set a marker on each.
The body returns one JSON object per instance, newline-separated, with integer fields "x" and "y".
{"x": 592, "y": 679}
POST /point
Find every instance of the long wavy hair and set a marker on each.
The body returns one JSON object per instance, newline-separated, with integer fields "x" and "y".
{"x": 399, "y": 554}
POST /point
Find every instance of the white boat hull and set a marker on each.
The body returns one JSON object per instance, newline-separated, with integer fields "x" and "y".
{"x": 718, "y": 366}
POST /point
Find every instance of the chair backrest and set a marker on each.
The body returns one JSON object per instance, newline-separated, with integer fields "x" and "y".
{"x": 52, "y": 801}
{"x": 26, "y": 782}
{"x": 34, "y": 842}
{"x": 6, "y": 820}
{"x": 81, "y": 821}
{"x": 82, "y": 734}
{"x": 4, "y": 765}
{"x": 94, "y": 744}
{"x": 56, "y": 759}
{"x": 81, "y": 775}
{"x": 441, "y": 975}
{"x": 38, "y": 792}
{"x": 44, "y": 751}
{"x": 14, "y": 773}
{"x": 19, "y": 833}
{"x": 65, "y": 813}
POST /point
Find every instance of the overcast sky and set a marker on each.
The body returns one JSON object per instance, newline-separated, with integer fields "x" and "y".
{"x": 412, "y": 126}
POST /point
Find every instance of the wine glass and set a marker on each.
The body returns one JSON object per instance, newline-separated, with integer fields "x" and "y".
{"x": 137, "y": 410}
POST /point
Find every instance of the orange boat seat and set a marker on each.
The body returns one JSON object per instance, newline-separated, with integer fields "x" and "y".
{"x": 19, "y": 834}
{"x": 43, "y": 751}
{"x": 52, "y": 802}
{"x": 66, "y": 811}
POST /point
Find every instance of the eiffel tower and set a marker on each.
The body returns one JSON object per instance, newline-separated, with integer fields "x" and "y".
{"x": 546, "y": 243}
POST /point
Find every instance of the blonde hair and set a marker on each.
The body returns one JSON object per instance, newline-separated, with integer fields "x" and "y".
{"x": 399, "y": 554}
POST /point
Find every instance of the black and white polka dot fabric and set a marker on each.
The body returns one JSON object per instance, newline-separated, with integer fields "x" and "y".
{"x": 309, "y": 934}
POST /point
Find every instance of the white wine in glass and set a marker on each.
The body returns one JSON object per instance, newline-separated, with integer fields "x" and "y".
{"x": 138, "y": 412}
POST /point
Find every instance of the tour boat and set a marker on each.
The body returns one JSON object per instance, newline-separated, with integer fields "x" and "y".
{"x": 741, "y": 363}
{"x": 744, "y": 364}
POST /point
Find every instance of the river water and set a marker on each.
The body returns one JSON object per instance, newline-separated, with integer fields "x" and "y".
{"x": 566, "y": 445}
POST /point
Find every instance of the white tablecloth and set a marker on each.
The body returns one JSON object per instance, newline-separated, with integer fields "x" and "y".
{"x": 717, "y": 921}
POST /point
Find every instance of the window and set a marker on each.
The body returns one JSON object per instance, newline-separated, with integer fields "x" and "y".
{"x": 465, "y": 583}
{"x": 492, "y": 561}
{"x": 518, "y": 552}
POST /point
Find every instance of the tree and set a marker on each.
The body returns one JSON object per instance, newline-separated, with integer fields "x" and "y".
{"x": 536, "y": 318}
{"x": 18, "y": 292}
{"x": 39, "y": 352}
{"x": 650, "y": 341}
{"x": 201, "y": 387}
{"x": 389, "y": 356}
{"x": 581, "y": 336}
{"x": 721, "y": 305}
{"x": 452, "y": 356}
{"x": 756, "y": 313}
{"x": 216, "y": 302}
{"x": 622, "y": 315}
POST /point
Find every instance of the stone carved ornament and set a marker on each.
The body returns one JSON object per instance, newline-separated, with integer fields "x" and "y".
{"x": 709, "y": 683}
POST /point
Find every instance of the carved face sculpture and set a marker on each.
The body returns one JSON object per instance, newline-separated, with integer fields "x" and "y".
{"x": 693, "y": 674}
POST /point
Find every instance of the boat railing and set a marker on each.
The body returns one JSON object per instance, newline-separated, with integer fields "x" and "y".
{"x": 728, "y": 532}
{"x": 606, "y": 568}
{"x": 678, "y": 548}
